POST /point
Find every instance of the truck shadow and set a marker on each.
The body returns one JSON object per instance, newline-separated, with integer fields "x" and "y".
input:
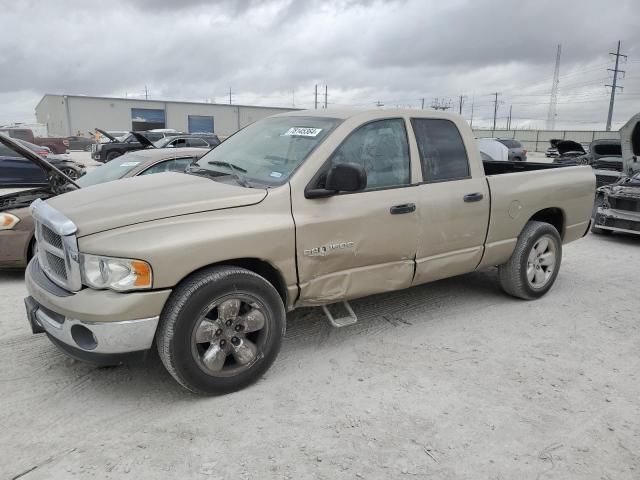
{"x": 308, "y": 331}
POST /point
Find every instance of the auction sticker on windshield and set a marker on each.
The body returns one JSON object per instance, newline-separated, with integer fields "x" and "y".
{"x": 302, "y": 132}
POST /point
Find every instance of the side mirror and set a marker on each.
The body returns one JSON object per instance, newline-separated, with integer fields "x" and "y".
{"x": 343, "y": 177}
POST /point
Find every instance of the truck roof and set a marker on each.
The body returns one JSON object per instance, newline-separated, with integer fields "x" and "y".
{"x": 368, "y": 113}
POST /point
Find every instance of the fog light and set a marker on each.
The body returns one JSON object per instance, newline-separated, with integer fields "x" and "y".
{"x": 83, "y": 337}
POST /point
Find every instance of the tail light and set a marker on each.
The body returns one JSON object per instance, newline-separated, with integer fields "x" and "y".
{"x": 42, "y": 153}
{"x": 524, "y": 150}
{"x": 65, "y": 142}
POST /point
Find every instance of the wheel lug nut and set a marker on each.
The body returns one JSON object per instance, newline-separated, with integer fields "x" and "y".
{"x": 223, "y": 343}
{"x": 235, "y": 340}
{"x": 228, "y": 323}
{"x": 238, "y": 328}
{"x": 218, "y": 332}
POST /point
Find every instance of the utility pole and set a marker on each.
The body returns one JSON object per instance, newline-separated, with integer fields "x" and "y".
{"x": 379, "y": 104}
{"x": 422, "y": 104}
{"x": 146, "y": 93}
{"x": 325, "y": 96}
{"x": 614, "y": 85}
{"x": 316, "y": 98}
{"x": 473, "y": 102}
{"x": 509, "y": 120}
{"x": 553, "y": 101}
{"x": 462, "y": 97}
{"x": 495, "y": 108}
{"x": 229, "y": 95}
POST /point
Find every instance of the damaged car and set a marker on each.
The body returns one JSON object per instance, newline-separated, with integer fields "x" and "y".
{"x": 569, "y": 152}
{"x": 618, "y": 207}
{"x": 17, "y": 237}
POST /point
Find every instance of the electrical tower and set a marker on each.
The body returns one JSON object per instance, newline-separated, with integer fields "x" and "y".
{"x": 440, "y": 104}
{"x": 614, "y": 85}
{"x": 553, "y": 101}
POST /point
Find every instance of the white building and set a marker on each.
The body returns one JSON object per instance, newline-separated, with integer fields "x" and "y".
{"x": 67, "y": 115}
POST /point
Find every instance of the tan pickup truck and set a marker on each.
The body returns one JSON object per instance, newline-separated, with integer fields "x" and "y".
{"x": 300, "y": 209}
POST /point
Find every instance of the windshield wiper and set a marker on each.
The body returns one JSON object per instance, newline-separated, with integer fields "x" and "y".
{"x": 238, "y": 172}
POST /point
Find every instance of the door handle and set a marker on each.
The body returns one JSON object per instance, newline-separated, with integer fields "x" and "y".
{"x": 473, "y": 197}
{"x": 404, "y": 208}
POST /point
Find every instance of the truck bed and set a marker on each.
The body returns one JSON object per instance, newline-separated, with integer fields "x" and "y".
{"x": 500, "y": 167}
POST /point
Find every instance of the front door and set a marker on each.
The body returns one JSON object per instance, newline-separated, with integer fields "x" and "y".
{"x": 360, "y": 243}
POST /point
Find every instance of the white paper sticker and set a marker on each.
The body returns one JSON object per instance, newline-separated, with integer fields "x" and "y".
{"x": 275, "y": 174}
{"x": 302, "y": 132}
{"x": 129, "y": 164}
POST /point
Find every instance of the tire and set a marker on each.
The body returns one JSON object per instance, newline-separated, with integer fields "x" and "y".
{"x": 205, "y": 302}
{"x": 112, "y": 155}
{"x": 72, "y": 173}
{"x": 515, "y": 274}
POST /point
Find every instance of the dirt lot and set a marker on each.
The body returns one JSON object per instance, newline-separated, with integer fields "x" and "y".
{"x": 448, "y": 380}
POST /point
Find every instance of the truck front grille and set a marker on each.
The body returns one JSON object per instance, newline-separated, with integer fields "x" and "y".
{"x": 56, "y": 265}
{"x": 57, "y": 246}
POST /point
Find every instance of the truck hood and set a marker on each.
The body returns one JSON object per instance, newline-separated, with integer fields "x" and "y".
{"x": 149, "y": 197}
{"x": 107, "y": 134}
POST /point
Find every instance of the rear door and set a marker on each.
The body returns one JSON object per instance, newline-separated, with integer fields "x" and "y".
{"x": 453, "y": 203}
{"x": 355, "y": 244}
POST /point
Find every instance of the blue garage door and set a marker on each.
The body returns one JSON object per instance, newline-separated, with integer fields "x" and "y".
{"x": 200, "y": 124}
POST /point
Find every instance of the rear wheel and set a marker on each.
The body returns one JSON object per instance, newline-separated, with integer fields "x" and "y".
{"x": 221, "y": 330}
{"x": 533, "y": 267}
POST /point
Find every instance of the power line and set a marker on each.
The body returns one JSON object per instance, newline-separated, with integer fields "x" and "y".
{"x": 614, "y": 84}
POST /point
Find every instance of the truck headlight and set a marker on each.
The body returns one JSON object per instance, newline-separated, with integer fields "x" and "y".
{"x": 120, "y": 274}
{"x": 8, "y": 221}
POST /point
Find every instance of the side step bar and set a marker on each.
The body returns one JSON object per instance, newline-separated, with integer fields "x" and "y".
{"x": 344, "y": 321}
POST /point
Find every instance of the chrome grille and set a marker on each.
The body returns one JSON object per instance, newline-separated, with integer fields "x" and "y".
{"x": 57, "y": 246}
{"x": 56, "y": 264}
{"x": 51, "y": 237}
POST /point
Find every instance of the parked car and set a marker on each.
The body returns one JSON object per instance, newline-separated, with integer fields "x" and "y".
{"x": 18, "y": 241}
{"x": 196, "y": 140}
{"x": 617, "y": 207}
{"x": 56, "y": 145}
{"x": 305, "y": 208}
{"x": 17, "y": 171}
{"x": 116, "y": 146}
{"x": 569, "y": 153}
{"x": 80, "y": 143}
{"x": 552, "y": 151}
{"x": 517, "y": 153}
{"x": 491, "y": 149}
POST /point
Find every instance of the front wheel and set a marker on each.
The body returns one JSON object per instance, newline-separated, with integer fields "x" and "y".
{"x": 112, "y": 155}
{"x": 221, "y": 330}
{"x": 70, "y": 172}
{"x": 534, "y": 263}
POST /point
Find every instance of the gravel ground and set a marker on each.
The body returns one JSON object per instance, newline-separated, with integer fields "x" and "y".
{"x": 448, "y": 380}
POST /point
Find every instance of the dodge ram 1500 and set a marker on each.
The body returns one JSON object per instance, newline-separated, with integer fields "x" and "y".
{"x": 304, "y": 208}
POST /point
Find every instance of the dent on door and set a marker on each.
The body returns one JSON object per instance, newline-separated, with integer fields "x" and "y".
{"x": 351, "y": 246}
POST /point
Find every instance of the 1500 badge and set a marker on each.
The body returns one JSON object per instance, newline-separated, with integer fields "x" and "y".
{"x": 325, "y": 250}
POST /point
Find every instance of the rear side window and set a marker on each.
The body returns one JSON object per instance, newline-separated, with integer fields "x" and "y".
{"x": 442, "y": 153}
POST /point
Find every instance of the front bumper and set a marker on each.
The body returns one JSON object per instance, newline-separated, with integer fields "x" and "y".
{"x": 617, "y": 220}
{"x": 97, "y": 338}
{"x": 92, "y": 322}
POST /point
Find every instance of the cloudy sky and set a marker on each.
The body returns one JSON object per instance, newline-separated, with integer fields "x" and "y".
{"x": 367, "y": 52}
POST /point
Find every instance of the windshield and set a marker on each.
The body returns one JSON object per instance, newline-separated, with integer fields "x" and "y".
{"x": 113, "y": 170}
{"x": 269, "y": 150}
